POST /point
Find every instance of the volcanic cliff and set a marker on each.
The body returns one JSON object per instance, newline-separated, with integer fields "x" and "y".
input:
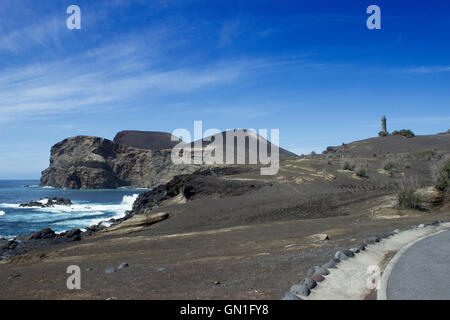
{"x": 85, "y": 162}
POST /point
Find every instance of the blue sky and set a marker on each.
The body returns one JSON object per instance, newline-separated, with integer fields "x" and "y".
{"x": 309, "y": 68}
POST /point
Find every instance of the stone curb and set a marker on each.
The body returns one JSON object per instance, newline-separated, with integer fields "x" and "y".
{"x": 303, "y": 289}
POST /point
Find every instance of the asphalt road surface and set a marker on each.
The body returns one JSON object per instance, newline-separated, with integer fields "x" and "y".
{"x": 423, "y": 271}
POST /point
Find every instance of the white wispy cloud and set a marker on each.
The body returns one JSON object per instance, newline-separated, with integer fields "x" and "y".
{"x": 426, "y": 69}
{"x": 43, "y": 34}
{"x": 98, "y": 79}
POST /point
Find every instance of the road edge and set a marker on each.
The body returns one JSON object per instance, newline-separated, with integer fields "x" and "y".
{"x": 382, "y": 292}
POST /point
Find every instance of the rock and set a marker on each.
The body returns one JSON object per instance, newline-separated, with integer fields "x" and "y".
{"x": 330, "y": 265}
{"x": 382, "y": 235}
{"x": 340, "y": 255}
{"x": 110, "y": 270}
{"x": 8, "y": 244}
{"x": 372, "y": 240}
{"x": 421, "y": 225}
{"x": 354, "y": 250}
{"x": 322, "y": 237}
{"x": 123, "y": 265}
{"x": 136, "y": 223}
{"x": 13, "y": 276}
{"x": 361, "y": 246}
{"x": 300, "y": 290}
{"x": 32, "y": 204}
{"x": 89, "y": 269}
{"x": 47, "y": 202}
{"x": 319, "y": 270}
{"x": 308, "y": 283}
{"x": 58, "y": 202}
{"x": 71, "y": 235}
{"x": 337, "y": 260}
{"x": 396, "y": 231}
{"x": 86, "y": 162}
{"x": 189, "y": 187}
{"x": 317, "y": 277}
{"x": 290, "y": 296}
{"x": 348, "y": 253}
{"x": 45, "y": 233}
{"x": 217, "y": 283}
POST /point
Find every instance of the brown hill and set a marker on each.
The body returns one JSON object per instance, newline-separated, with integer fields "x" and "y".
{"x": 250, "y": 141}
{"x": 148, "y": 140}
{"x": 393, "y": 144}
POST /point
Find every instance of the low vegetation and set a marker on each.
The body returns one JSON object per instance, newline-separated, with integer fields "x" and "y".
{"x": 427, "y": 154}
{"x": 389, "y": 165}
{"x": 362, "y": 172}
{"x": 383, "y": 134}
{"x": 440, "y": 172}
{"x": 409, "y": 199}
{"x": 348, "y": 166}
{"x": 404, "y": 132}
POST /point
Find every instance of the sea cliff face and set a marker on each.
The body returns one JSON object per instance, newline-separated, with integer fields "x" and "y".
{"x": 85, "y": 162}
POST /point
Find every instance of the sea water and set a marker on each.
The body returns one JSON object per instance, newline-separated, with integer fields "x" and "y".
{"x": 89, "y": 207}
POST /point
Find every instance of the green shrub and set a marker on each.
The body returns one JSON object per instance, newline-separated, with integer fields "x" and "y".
{"x": 361, "y": 173}
{"x": 427, "y": 154}
{"x": 348, "y": 166}
{"x": 408, "y": 199}
{"x": 404, "y": 132}
{"x": 440, "y": 172}
{"x": 389, "y": 165}
{"x": 383, "y": 134}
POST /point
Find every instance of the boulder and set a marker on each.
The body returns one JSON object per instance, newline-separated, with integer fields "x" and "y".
{"x": 71, "y": 235}
{"x": 309, "y": 283}
{"x": 321, "y": 237}
{"x": 317, "y": 277}
{"x": 110, "y": 270}
{"x": 32, "y": 204}
{"x": 45, "y": 233}
{"x": 300, "y": 290}
{"x": 290, "y": 296}
{"x": 348, "y": 253}
{"x": 47, "y": 202}
{"x": 361, "y": 246}
{"x": 330, "y": 265}
{"x": 319, "y": 270}
{"x": 354, "y": 250}
{"x": 372, "y": 240}
{"x": 340, "y": 255}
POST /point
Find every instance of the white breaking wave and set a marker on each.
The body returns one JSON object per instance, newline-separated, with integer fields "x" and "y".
{"x": 94, "y": 209}
{"x": 2, "y": 212}
{"x": 9, "y": 205}
{"x": 81, "y": 212}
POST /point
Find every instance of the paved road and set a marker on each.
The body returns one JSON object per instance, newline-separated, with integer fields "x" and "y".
{"x": 423, "y": 271}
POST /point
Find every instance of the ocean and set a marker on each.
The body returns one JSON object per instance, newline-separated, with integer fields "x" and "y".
{"x": 89, "y": 207}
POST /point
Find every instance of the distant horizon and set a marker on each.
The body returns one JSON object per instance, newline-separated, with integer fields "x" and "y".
{"x": 318, "y": 152}
{"x": 311, "y": 69}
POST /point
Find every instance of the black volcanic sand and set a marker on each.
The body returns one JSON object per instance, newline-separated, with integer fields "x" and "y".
{"x": 253, "y": 244}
